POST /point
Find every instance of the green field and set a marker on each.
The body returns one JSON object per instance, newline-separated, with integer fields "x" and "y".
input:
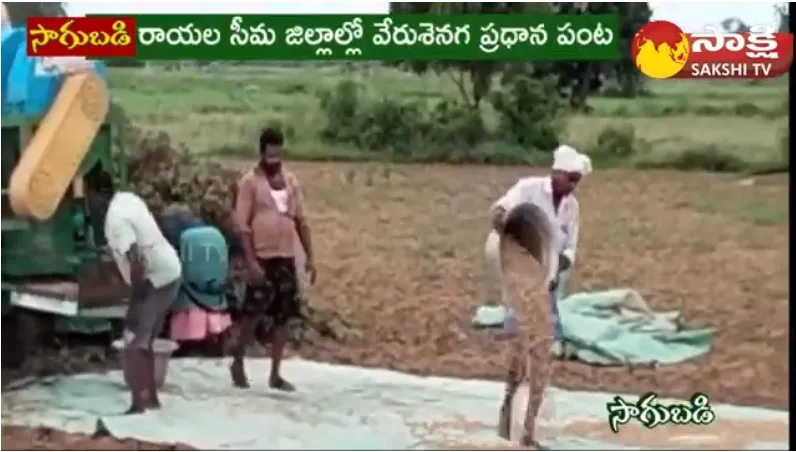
{"x": 220, "y": 110}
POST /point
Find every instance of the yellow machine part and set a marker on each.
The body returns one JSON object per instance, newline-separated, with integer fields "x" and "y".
{"x": 51, "y": 158}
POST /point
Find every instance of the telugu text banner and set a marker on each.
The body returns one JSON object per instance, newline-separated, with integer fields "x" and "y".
{"x": 377, "y": 37}
{"x": 97, "y": 37}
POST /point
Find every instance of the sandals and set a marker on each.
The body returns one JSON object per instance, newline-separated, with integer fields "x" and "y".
{"x": 239, "y": 379}
{"x": 281, "y": 384}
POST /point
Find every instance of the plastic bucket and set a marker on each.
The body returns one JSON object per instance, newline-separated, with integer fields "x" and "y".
{"x": 163, "y": 349}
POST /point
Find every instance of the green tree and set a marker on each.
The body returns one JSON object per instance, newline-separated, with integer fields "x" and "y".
{"x": 576, "y": 79}
{"x": 530, "y": 111}
{"x": 579, "y": 79}
{"x": 19, "y": 11}
{"x": 473, "y": 79}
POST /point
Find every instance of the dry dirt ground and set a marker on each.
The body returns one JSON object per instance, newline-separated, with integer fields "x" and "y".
{"x": 21, "y": 438}
{"x": 399, "y": 254}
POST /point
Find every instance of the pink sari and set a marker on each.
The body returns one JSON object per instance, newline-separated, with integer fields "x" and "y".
{"x": 197, "y": 324}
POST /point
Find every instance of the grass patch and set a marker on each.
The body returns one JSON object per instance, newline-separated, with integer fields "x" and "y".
{"x": 221, "y": 109}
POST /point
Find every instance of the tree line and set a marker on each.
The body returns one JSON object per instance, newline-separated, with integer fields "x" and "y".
{"x": 530, "y": 99}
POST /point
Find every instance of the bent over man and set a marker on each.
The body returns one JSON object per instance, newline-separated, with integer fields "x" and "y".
{"x": 554, "y": 196}
{"x": 152, "y": 269}
{"x": 550, "y": 203}
{"x": 269, "y": 213}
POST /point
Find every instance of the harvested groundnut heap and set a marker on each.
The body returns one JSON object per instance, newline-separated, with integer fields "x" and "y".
{"x": 160, "y": 170}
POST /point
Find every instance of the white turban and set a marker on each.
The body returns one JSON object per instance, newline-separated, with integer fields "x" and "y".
{"x": 566, "y": 158}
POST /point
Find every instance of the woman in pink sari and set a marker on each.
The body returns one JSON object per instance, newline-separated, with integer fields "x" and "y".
{"x": 199, "y": 315}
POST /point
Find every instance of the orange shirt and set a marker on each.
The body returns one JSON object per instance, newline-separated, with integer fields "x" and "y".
{"x": 273, "y": 233}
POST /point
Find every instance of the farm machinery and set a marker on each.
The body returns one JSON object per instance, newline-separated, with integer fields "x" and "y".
{"x": 55, "y": 135}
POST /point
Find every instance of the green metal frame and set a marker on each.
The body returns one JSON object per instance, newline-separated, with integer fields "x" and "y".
{"x": 60, "y": 245}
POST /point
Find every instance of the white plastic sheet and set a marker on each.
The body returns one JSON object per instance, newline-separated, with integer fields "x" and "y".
{"x": 345, "y": 407}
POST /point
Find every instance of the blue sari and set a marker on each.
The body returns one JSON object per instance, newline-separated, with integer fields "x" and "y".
{"x": 204, "y": 255}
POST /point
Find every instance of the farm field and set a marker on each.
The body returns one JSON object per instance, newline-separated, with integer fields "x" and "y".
{"x": 399, "y": 255}
{"x": 219, "y": 110}
{"x": 399, "y": 246}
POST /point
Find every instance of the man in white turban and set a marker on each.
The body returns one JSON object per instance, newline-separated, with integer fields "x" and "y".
{"x": 553, "y": 195}
{"x": 541, "y": 214}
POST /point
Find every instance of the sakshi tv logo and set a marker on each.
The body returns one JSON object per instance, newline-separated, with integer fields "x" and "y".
{"x": 662, "y": 50}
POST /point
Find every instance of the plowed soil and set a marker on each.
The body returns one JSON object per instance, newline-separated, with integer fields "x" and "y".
{"x": 399, "y": 254}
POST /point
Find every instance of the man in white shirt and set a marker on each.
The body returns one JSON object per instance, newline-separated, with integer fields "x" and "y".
{"x": 554, "y": 196}
{"x": 152, "y": 269}
{"x": 550, "y": 200}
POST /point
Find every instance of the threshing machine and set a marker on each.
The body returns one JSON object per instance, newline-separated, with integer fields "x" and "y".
{"x": 55, "y": 130}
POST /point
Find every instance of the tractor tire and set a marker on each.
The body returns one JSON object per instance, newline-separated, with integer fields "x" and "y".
{"x": 24, "y": 334}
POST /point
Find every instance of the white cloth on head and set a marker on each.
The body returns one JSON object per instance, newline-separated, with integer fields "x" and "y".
{"x": 566, "y": 158}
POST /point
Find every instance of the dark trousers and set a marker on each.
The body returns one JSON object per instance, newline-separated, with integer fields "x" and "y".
{"x": 273, "y": 303}
{"x": 146, "y": 314}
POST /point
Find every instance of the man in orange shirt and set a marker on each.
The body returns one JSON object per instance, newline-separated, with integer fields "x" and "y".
{"x": 269, "y": 213}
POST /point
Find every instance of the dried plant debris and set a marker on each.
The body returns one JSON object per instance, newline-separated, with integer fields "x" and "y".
{"x": 43, "y": 438}
{"x": 161, "y": 170}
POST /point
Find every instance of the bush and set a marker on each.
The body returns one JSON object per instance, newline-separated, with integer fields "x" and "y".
{"x": 782, "y": 109}
{"x": 389, "y": 125}
{"x": 530, "y": 110}
{"x": 747, "y": 109}
{"x": 705, "y": 110}
{"x": 778, "y": 166}
{"x": 530, "y": 116}
{"x": 502, "y": 153}
{"x": 707, "y": 158}
{"x": 341, "y": 107}
{"x": 456, "y": 125}
{"x": 615, "y": 142}
{"x": 409, "y": 130}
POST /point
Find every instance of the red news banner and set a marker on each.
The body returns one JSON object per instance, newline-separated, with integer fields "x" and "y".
{"x": 92, "y": 37}
{"x": 757, "y": 54}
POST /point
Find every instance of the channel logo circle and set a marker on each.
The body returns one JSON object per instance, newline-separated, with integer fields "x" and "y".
{"x": 660, "y": 49}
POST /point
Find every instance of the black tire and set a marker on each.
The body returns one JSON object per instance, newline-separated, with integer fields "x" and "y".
{"x": 24, "y": 334}
{"x": 14, "y": 351}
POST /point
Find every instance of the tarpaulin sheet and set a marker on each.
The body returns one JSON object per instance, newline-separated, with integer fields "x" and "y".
{"x": 347, "y": 407}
